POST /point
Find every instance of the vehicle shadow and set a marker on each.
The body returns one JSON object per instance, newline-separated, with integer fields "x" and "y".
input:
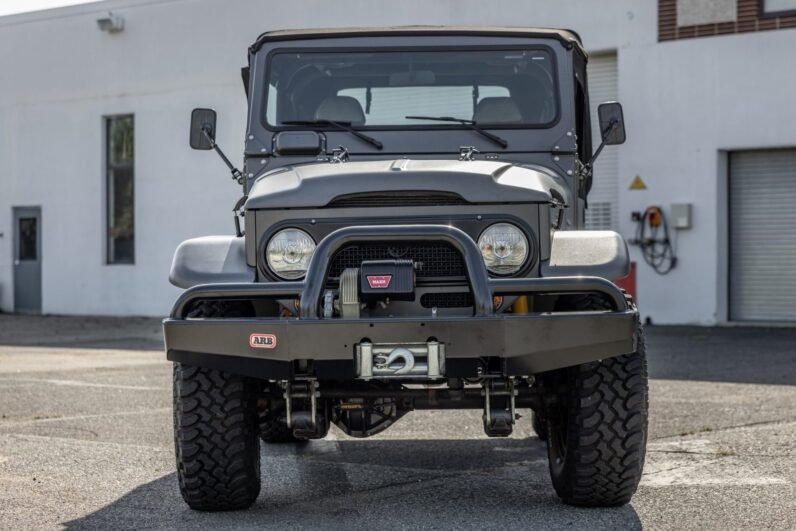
{"x": 756, "y": 355}
{"x": 436, "y": 484}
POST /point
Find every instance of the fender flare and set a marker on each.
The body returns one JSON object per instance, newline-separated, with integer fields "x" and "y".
{"x": 210, "y": 260}
{"x": 593, "y": 253}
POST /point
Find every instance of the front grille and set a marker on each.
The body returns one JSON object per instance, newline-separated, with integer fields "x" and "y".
{"x": 434, "y": 260}
{"x": 446, "y": 300}
{"x": 403, "y": 198}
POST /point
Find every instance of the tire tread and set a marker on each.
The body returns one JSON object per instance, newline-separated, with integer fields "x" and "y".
{"x": 606, "y": 431}
{"x": 215, "y": 434}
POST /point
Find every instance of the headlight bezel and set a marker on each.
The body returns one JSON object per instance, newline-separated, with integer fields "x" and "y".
{"x": 529, "y": 249}
{"x": 272, "y": 269}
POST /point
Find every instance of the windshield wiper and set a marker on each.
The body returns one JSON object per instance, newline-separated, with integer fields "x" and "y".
{"x": 470, "y": 124}
{"x": 343, "y": 126}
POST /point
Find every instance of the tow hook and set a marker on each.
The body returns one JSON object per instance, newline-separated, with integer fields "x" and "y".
{"x": 425, "y": 361}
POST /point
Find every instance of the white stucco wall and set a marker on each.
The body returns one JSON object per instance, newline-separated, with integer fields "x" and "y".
{"x": 685, "y": 102}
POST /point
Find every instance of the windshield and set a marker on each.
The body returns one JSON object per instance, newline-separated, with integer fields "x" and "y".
{"x": 494, "y": 87}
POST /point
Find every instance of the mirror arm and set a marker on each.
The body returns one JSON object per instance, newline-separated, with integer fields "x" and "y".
{"x": 236, "y": 173}
{"x": 590, "y": 164}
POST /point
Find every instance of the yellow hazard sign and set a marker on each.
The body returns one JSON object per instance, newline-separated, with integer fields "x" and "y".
{"x": 638, "y": 183}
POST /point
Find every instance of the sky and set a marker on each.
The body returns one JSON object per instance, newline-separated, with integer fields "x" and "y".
{"x": 10, "y": 7}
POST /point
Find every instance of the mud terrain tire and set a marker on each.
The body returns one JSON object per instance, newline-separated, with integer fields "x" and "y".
{"x": 597, "y": 440}
{"x": 216, "y": 435}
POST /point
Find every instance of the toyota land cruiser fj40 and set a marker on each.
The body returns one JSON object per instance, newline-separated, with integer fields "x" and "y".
{"x": 410, "y": 236}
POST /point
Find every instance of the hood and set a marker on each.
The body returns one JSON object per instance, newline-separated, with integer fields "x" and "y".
{"x": 317, "y": 185}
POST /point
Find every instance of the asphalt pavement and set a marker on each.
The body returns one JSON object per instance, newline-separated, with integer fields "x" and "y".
{"x": 86, "y": 442}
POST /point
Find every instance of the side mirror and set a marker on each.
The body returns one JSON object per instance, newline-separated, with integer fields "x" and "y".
{"x": 203, "y": 120}
{"x": 612, "y": 123}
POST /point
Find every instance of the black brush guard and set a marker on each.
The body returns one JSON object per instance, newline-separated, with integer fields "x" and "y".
{"x": 525, "y": 344}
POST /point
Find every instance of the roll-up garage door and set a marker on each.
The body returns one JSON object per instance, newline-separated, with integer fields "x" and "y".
{"x": 603, "y": 198}
{"x": 763, "y": 235}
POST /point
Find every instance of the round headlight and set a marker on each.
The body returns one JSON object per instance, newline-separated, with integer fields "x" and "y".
{"x": 504, "y": 248}
{"x": 288, "y": 253}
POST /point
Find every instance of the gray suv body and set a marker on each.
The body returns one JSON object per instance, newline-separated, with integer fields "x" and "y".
{"x": 413, "y": 204}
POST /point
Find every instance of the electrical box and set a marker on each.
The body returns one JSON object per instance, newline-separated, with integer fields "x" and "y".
{"x": 681, "y": 215}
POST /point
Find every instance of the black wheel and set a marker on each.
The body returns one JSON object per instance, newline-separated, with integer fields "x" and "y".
{"x": 597, "y": 436}
{"x": 539, "y": 425}
{"x": 216, "y": 436}
{"x": 273, "y": 424}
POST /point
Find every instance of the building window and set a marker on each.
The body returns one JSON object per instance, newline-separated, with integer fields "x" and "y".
{"x": 27, "y": 239}
{"x": 698, "y": 12}
{"x": 778, "y": 7}
{"x": 119, "y": 144}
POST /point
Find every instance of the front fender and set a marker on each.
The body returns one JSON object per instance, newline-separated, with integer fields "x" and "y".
{"x": 210, "y": 260}
{"x": 593, "y": 253}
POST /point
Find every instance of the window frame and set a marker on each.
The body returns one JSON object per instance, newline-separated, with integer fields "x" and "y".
{"x": 763, "y": 13}
{"x": 20, "y": 240}
{"x": 109, "y": 166}
{"x": 414, "y": 127}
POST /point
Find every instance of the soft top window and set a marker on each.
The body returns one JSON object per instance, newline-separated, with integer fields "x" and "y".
{"x": 494, "y": 87}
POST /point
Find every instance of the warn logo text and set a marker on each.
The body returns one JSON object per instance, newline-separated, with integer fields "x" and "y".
{"x": 379, "y": 281}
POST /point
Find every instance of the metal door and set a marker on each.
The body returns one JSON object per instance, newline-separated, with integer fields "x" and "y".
{"x": 27, "y": 259}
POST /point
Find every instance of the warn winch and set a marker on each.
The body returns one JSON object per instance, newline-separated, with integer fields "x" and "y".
{"x": 375, "y": 282}
{"x": 394, "y": 279}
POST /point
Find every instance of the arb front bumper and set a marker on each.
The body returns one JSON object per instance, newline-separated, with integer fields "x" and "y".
{"x": 333, "y": 347}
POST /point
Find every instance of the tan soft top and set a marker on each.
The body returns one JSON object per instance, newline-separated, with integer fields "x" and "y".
{"x": 563, "y": 35}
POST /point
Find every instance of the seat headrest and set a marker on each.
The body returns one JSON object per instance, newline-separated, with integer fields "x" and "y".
{"x": 341, "y": 109}
{"x": 497, "y": 110}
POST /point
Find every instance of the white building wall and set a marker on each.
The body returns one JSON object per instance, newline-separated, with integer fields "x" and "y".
{"x": 686, "y": 102}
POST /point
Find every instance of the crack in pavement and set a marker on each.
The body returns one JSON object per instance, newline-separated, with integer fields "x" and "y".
{"x": 727, "y": 428}
{"x": 645, "y": 474}
{"x": 77, "y": 383}
{"x": 83, "y": 441}
{"x": 83, "y": 417}
{"x": 719, "y": 454}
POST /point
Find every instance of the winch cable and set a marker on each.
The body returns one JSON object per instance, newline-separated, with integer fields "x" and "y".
{"x": 652, "y": 237}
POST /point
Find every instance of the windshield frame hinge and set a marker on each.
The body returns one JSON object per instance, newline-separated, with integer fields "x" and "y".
{"x": 467, "y": 153}
{"x": 339, "y": 155}
{"x": 566, "y": 145}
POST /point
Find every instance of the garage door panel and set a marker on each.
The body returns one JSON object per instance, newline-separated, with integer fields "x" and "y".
{"x": 603, "y": 197}
{"x": 763, "y": 235}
